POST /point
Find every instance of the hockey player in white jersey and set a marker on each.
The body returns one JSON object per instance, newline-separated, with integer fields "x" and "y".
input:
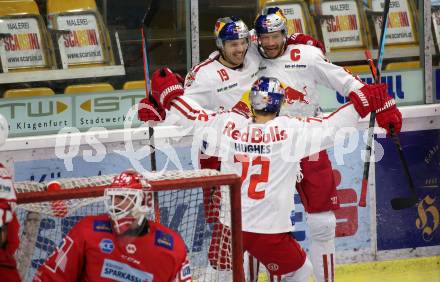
{"x": 302, "y": 68}
{"x": 266, "y": 151}
{"x": 218, "y": 83}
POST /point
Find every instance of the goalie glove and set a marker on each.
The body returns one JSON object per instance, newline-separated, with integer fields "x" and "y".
{"x": 375, "y": 98}
{"x": 166, "y": 86}
{"x": 301, "y": 38}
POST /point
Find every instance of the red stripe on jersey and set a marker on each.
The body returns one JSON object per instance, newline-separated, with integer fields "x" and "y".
{"x": 186, "y": 105}
{"x": 332, "y": 267}
{"x": 314, "y": 119}
{"x": 199, "y": 66}
{"x": 330, "y": 115}
{"x": 183, "y": 112}
{"x": 189, "y": 112}
{"x": 342, "y": 107}
{"x": 325, "y": 265}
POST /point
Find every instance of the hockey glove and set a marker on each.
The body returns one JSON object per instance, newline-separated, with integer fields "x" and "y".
{"x": 149, "y": 112}
{"x": 375, "y": 98}
{"x": 301, "y": 38}
{"x": 390, "y": 116}
{"x": 166, "y": 86}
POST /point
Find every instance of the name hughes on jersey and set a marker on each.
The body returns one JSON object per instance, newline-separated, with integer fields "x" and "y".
{"x": 255, "y": 135}
{"x": 252, "y": 148}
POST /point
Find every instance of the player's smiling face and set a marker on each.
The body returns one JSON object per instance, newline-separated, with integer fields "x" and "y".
{"x": 272, "y": 43}
{"x": 235, "y": 50}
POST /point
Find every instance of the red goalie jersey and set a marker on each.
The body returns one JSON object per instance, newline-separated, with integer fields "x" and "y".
{"x": 91, "y": 251}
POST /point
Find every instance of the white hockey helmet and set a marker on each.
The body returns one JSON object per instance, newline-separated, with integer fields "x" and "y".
{"x": 128, "y": 200}
{"x": 4, "y": 130}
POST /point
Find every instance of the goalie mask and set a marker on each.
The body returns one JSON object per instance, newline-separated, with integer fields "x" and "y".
{"x": 128, "y": 201}
{"x": 267, "y": 94}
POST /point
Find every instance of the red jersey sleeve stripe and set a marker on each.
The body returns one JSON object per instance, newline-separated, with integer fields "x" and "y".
{"x": 309, "y": 119}
{"x": 186, "y": 105}
{"x": 183, "y": 112}
{"x": 340, "y": 108}
{"x": 199, "y": 66}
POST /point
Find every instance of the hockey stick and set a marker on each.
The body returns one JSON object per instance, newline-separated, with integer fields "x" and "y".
{"x": 149, "y": 95}
{"x": 401, "y": 202}
{"x": 363, "y": 197}
{"x": 146, "y": 22}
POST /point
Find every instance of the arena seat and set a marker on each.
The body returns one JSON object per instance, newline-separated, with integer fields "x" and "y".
{"x": 88, "y": 88}
{"x": 82, "y": 37}
{"x": 396, "y": 66}
{"x": 25, "y": 44}
{"x": 28, "y": 92}
{"x": 135, "y": 84}
{"x": 357, "y": 69}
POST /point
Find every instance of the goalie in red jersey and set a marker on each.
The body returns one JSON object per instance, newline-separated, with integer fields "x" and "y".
{"x": 121, "y": 246}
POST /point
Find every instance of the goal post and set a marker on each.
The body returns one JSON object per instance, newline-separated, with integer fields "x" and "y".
{"x": 46, "y": 216}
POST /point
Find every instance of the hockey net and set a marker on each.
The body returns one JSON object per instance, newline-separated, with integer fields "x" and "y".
{"x": 46, "y": 217}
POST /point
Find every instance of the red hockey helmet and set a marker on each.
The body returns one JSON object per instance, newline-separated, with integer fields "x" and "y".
{"x": 128, "y": 200}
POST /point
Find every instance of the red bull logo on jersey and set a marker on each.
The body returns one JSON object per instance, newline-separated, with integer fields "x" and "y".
{"x": 255, "y": 135}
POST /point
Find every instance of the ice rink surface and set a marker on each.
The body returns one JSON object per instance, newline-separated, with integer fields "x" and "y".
{"x": 426, "y": 269}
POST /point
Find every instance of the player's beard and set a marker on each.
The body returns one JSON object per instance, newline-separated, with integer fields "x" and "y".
{"x": 274, "y": 51}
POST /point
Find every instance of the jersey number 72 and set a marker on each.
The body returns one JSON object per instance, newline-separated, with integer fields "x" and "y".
{"x": 254, "y": 179}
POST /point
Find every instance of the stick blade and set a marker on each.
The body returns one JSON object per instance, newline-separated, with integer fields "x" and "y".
{"x": 404, "y": 203}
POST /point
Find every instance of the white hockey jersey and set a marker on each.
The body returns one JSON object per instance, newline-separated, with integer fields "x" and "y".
{"x": 303, "y": 67}
{"x": 267, "y": 158}
{"x": 215, "y": 87}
